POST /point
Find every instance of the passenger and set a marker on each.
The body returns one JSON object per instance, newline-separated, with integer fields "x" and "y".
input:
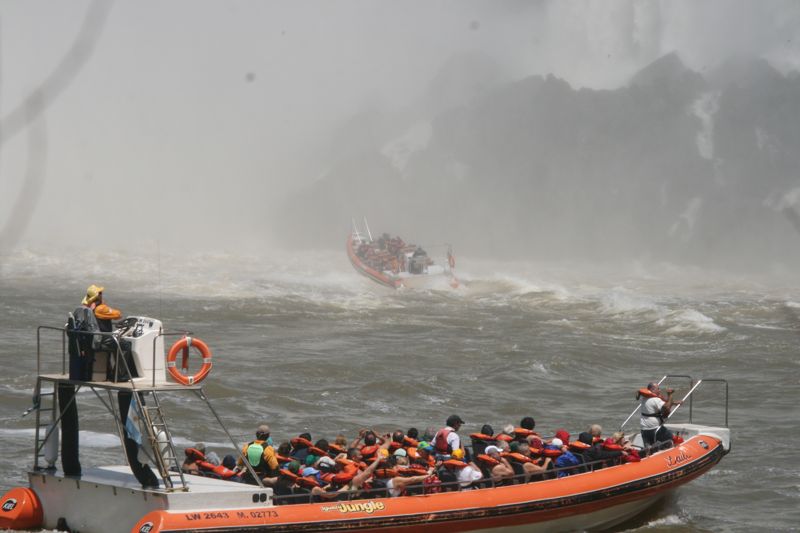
{"x": 261, "y": 457}
{"x": 211, "y": 456}
{"x": 430, "y": 432}
{"x": 371, "y": 446}
{"x": 300, "y": 445}
{"x": 596, "y": 431}
{"x": 284, "y": 485}
{"x": 597, "y": 454}
{"x": 446, "y": 439}
{"x": 528, "y": 423}
{"x": 284, "y": 449}
{"x": 563, "y": 435}
{"x": 469, "y": 476}
{"x": 322, "y": 444}
{"x": 341, "y": 441}
{"x": 229, "y": 462}
{"x": 398, "y": 438}
{"x": 566, "y": 460}
{"x": 502, "y": 471}
{"x": 532, "y": 468}
{"x": 620, "y": 439}
{"x": 412, "y": 433}
{"x": 363, "y": 437}
{"x": 483, "y": 439}
{"x": 425, "y": 456}
{"x": 654, "y": 411}
{"x": 398, "y": 485}
{"x": 311, "y": 469}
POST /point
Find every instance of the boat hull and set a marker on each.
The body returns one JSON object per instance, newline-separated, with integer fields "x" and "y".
{"x": 593, "y": 500}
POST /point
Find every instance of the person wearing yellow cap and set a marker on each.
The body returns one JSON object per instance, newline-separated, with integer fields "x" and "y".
{"x": 81, "y": 326}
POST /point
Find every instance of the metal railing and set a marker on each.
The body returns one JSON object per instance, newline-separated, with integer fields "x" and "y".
{"x": 445, "y": 486}
{"x": 689, "y": 396}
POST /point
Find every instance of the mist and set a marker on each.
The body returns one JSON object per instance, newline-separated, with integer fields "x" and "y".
{"x": 517, "y": 129}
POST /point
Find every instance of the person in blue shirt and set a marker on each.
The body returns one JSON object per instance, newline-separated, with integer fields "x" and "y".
{"x": 565, "y": 460}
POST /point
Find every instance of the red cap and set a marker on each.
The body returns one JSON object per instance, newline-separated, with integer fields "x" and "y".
{"x": 563, "y": 435}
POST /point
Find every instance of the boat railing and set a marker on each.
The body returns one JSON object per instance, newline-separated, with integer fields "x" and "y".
{"x": 118, "y": 352}
{"x": 688, "y": 397}
{"x": 112, "y": 385}
{"x": 445, "y": 486}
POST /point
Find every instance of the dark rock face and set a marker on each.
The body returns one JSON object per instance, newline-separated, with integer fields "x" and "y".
{"x": 674, "y": 166}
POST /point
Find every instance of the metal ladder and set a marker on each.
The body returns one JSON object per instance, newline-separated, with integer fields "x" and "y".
{"x": 164, "y": 454}
{"x": 40, "y": 404}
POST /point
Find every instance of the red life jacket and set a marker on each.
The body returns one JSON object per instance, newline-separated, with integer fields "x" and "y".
{"x": 440, "y": 441}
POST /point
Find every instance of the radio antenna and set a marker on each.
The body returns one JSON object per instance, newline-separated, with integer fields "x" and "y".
{"x": 158, "y": 268}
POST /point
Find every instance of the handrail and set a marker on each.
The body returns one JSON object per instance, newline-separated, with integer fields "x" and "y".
{"x": 236, "y": 446}
{"x": 162, "y": 333}
{"x": 688, "y": 396}
{"x": 660, "y": 381}
{"x": 64, "y": 332}
{"x": 484, "y": 482}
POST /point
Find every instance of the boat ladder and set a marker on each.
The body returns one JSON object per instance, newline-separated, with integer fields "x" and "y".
{"x": 158, "y": 435}
{"x": 45, "y": 425}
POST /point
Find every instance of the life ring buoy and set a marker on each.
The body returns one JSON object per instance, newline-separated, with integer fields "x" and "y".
{"x": 183, "y": 345}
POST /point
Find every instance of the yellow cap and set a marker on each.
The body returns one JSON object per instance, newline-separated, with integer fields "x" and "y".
{"x": 458, "y": 453}
{"x": 91, "y": 294}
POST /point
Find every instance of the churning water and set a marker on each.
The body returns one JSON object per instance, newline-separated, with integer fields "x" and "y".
{"x": 300, "y": 341}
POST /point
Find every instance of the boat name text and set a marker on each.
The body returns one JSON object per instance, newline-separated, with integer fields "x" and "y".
{"x": 678, "y": 459}
{"x": 360, "y": 507}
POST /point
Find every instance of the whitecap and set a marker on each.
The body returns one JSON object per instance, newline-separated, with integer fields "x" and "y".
{"x": 690, "y": 321}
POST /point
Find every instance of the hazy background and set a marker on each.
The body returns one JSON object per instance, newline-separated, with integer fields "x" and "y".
{"x": 587, "y": 129}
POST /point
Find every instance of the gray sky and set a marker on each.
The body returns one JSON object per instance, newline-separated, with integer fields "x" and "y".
{"x": 190, "y": 118}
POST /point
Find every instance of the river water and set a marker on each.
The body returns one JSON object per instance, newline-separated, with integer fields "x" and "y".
{"x": 302, "y": 342}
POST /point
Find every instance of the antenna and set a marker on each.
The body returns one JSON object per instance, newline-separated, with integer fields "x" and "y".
{"x": 158, "y": 268}
{"x": 369, "y": 233}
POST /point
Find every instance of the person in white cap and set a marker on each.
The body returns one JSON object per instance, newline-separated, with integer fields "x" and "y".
{"x": 503, "y": 470}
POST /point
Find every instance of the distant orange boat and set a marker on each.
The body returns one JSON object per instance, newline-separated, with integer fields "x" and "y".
{"x": 393, "y": 263}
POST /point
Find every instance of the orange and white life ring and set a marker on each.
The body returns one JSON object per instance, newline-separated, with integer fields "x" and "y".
{"x": 183, "y": 345}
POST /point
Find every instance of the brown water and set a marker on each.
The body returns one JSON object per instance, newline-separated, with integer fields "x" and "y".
{"x": 302, "y": 342}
